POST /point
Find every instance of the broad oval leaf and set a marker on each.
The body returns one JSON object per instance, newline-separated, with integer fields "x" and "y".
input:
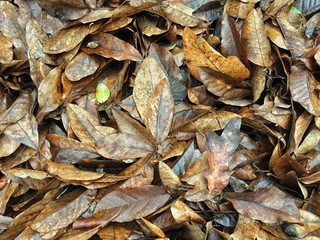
{"x": 160, "y": 114}
{"x": 64, "y": 211}
{"x": 122, "y": 146}
{"x": 303, "y": 89}
{"x": 148, "y": 76}
{"x": 134, "y": 203}
{"x": 66, "y": 39}
{"x": 269, "y": 205}
{"x": 110, "y": 46}
{"x": 255, "y": 40}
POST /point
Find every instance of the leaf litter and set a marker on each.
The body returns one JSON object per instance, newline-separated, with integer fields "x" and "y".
{"x": 159, "y": 119}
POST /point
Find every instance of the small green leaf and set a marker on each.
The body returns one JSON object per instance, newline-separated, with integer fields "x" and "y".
{"x": 102, "y": 93}
{"x": 295, "y": 10}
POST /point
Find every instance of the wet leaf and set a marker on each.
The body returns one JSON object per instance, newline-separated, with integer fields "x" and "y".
{"x": 148, "y": 76}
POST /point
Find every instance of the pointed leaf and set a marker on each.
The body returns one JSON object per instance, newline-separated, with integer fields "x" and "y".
{"x": 255, "y": 40}
{"x": 148, "y": 76}
{"x": 303, "y": 89}
{"x": 159, "y": 116}
{"x": 110, "y": 46}
{"x": 269, "y": 205}
{"x": 62, "y": 212}
{"x": 133, "y": 203}
{"x": 121, "y": 146}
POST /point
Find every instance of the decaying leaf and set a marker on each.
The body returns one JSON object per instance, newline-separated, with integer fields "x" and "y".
{"x": 133, "y": 203}
{"x": 269, "y": 205}
{"x": 256, "y": 41}
{"x": 122, "y": 146}
{"x": 221, "y": 149}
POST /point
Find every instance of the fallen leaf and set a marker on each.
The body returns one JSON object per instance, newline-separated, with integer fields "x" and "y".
{"x": 255, "y": 40}
{"x": 133, "y": 203}
{"x": 66, "y": 39}
{"x": 269, "y": 205}
{"x": 182, "y": 213}
{"x": 70, "y": 206}
{"x": 221, "y": 149}
{"x": 303, "y": 89}
{"x": 110, "y": 46}
{"x": 122, "y": 146}
{"x": 160, "y": 114}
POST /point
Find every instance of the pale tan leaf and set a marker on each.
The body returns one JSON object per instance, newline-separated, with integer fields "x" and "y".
{"x": 68, "y": 172}
{"x": 62, "y": 212}
{"x": 154, "y": 229}
{"x": 160, "y": 111}
{"x": 122, "y": 146}
{"x": 179, "y": 13}
{"x": 133, "y": 203}
{"x": 169, "y": 179}
{"x": 81, "y": 66}
{"x": 303, "y": 89}
{"x": 182, "y": 213}
{"x": 255, "y": 40}
{"x": 148, "y": 76}
{"x": 66, "y": 39}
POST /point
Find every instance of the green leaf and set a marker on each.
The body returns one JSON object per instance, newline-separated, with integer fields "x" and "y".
{"x": 295, "y": 10}
{"x": 102, "y": 93}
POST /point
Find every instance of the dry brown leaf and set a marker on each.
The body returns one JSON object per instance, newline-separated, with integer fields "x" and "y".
{"x": 160, "y": 111}
{"x": 109, "y": 46}
{"x": 240, "y": 9}
{"x": 6, "y": 50}
{"x": 66, "y": 40}
{"x": 275, "y": 35}
{"x": 200, "y": 54}
{"x": 269, "y": 205}
{"x": 24, "y": 131}
{"x": 255, "y": 40}
{"x": 182, "y": 213}
{"x": 179, "y": 13}
{"x": 70, "y": 150}
{"x": 303, "y": 89}
{"x": 86, "y": 126}
{"x": 122, "y": 146}
{"x": 154, "y": 229}
{"x": 69, "y": 206}
{"x": 148, "y": 76}
{"x": 81, "y": 66}
{"x": 49, "y": 93}
{"x": 135, "y": 202}
{"x": 68, "y": 172}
